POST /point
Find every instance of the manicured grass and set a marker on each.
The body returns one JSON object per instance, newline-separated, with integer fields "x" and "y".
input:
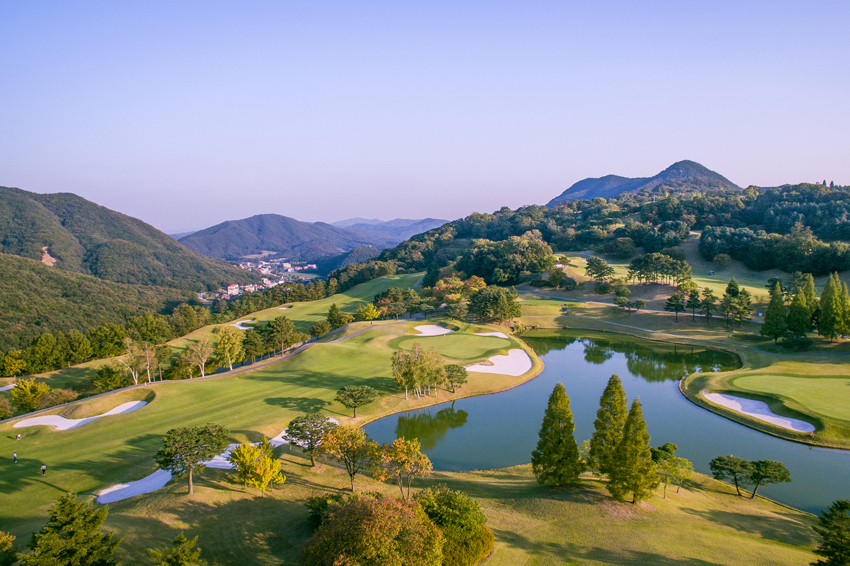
{"x": 827, "y": 398}
{"x": 261, "y": 402}
{"x": 458, "y": 346}
{"x": 704, "y": 524}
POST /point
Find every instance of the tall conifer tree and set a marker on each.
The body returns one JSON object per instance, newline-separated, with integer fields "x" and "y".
{"x": 556, "y": 460}
{"x": 809, "y": 292}
{"x": 633, "y": 469}
{"x": 608, "y": 427}
{"x": 799, "y": 319}
{"x": 774, "y": 320}
{"x": 831, "y": 307}
{"x": 844, "y": 325}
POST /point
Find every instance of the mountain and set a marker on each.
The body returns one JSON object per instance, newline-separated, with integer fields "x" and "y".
{"x": 684, "y": 174}
{"x": 352, "y": 221}
{"x": 398, "y": 230}
{"x": 298, "y": 240}
{"x": 179, "y": 235}
{"x": 36, "y": 298}
{"x": 357, "y": 255}
{"x": 69, "y": 233}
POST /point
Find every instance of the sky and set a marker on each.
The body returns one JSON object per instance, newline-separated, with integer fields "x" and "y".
{"x": 186, "y": 114}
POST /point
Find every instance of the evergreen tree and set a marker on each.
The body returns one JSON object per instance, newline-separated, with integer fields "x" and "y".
{"x": 811, "y": 297}
{"x": 844, "y": 327}
{"x": 831, "y": 308}
{"x": 608, "y": 426}
{"x": 709, "y": 304}
{"x": 72, "y": 535}
{"x": 693, "y": 303}
{"x": 675, "y": 304}
{"x": 774, "y": 319}
{"x": 799, "y": 319}
{"x": 633, "y": 469}
{"x": 834, "y": 529}
{"x": 742, "y": 306}
{"x": 732, "y": 288}
{"x": 555, "y": 460}
{"x": 184, "y": 553}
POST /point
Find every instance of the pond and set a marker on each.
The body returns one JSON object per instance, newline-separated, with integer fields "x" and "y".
{"x": 500, "y": 430}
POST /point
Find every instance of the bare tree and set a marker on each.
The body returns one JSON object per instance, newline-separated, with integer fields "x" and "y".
{"x": 199, "y": 352}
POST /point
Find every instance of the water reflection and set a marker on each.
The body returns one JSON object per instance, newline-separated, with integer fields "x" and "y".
{"x": 427, "y": 427}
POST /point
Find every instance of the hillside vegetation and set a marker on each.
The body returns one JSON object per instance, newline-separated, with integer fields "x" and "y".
{"x": 86, "y": 238}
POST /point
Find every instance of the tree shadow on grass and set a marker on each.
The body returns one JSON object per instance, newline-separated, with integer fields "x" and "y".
{"x": 302, "y": 404}
{"x": 570, "y": 553}
{"x": 782, "y": 527}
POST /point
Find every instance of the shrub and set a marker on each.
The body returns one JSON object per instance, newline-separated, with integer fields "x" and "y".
{"x": 721, "y": 261}
{"x": 603, "y": 288}
{"x": 57, "y": 397}
{"x": 796, "y": 342}
{"x": 5, "y": 408}
{"x": 318, "y": 506}
{"x": 622, "y": 248}
{"x": 379, "y": 532}
{"x": 539, "y": 282}
{"x": 460, "y": 518}
{"x": 568, "y": 284}
{"x": 675, "y": 252}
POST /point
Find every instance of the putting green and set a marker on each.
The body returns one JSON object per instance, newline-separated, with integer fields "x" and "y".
{"x": 826, "y": 397}
{"x": 457, "y": 346}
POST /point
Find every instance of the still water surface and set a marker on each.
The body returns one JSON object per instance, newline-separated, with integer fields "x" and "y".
{"x": 499, "y": 430}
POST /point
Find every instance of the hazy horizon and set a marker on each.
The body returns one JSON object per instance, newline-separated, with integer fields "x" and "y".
{"x": 186, "y": 115}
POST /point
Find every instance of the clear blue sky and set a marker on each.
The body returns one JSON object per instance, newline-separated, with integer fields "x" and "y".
{"x": 186, "y": 114}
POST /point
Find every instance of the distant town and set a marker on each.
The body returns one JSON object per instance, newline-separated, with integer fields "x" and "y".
{"x": 274, "y": 272}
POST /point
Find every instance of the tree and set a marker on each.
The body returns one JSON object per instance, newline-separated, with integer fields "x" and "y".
{"x": 727, "y": 307}
{"x": 256, "y": 465}
{"x": 693, "y": 303}
{"x": 5, "y": 411}
{"x": 72, "y": 535}
{"x": 162, "y": 354}
{"x": 283, "y": 332}
{"x": 13, "y": 363}
{"x": 742, "y": 306}
{"x": 107, "y": 340}
{"x": 375, "y": 532}
{"x": 335, "y": 317}
{"x": 108, "y": 377}
{"x": 350, "y": 446}
{"x": 402, "y": 461}
{"x": 368, "y": 312}
{"x": 7, "y": 549}
{"x": 460, "y": 518}
{"x": 456, "y": 375}
{"x": 709, "y": 304}
{"x": 413, "y": 369}
{"x": 353, "y": 396}
{"x": 834, "y": 530}
{"x": 799, "y": 317}
{"x": 228, "y": 345}
{"x": 556, "y": 460}
{"x": 732, "y": 288}
{"x": 721, "y": 261}
{"x": 774, "y": 319}
{"x": 307, "y": 431}
{"x": 673, "y": 470}
{"x": 27, "y": 393}
{"x": 633, "y": 469}
{"x": 253, "y": 344}
{"x": 320, "y": 329}
{"x": 598, "y": 269}
{"x": 199, "y": 352}
{"x": 495, "y": 304}
{"x": 457, "y": 310}
{"x": 186, "y": 449}
{"x": 811, "y": 297}
{"x": 765, "y": 472}
{"x": 183, "y": 553}
{"x": 675, "y": 304}
{"x": 608, "y": 426}
{"x": 732, "y": 468}
{"x": 79, "y": 348}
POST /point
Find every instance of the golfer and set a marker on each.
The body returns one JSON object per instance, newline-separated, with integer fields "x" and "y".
{"x": 43, "y": 469}
{"x": 15, "y": 456}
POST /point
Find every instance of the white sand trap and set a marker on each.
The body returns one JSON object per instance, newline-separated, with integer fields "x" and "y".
{"x": 758, "y": 410}
{"x": 496, "y": 334}
{"x": 284, "y": 308}
{"x": 241, "y": 322}
{"x": 432, "y": 330}
{"x": 153, "y": 482}
{"x": 7, "y": 387}
{"x": 516, "y": 363}
{"x": 61, "y": 423}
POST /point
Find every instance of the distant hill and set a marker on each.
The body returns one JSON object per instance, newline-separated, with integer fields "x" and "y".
{"x": 684, "y": 174}
{"x": 35, "y": 298}
{"x": 73, "y": 234}
{"x": 300, "y": 240}
{"x": 357, "y": 255}
{"x": 179, "y": 235}
{"x": 352, "y": 221}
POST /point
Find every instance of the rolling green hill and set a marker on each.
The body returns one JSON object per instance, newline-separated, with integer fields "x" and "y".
{"x": 684, "y": 174}
{"x": 76, "y": 235}
{"x": 35, "y": 298}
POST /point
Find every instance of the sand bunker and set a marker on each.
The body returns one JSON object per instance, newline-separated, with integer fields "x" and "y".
{"x": 284, "y": 308}
{"x": 496, "y": 334}
{"x": 516, "y": 363}
{"x": 7, "y": 387}
{"x": 61, "y": 423}
{"x": 153, "y": 482}
{"x": 432, "y": 330}
{"x": 758, "y": 410}
{"x": 241, "y": 322}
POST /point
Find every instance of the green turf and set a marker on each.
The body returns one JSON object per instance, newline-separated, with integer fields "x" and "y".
{"x": 457, "y": 346}
{"x": 827, "y": 398}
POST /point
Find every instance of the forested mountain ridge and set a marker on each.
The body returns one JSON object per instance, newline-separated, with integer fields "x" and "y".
{"x": 300, "y": 240}
{"x": 87, "y": 238}
{"x": 35, "y": 298}
{"x": 683, "y": 174}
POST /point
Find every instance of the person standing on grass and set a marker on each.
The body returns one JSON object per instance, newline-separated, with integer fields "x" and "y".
{"x": 15, "y": 456}
{"x": 43, "y": 469}
{"x": 18, "y": 437}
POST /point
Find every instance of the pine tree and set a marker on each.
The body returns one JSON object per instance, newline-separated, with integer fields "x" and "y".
{"x": 184, "y": 553}
{"x": 844, "y": 326}
{"x": 633, "y": 469}
{"x": 610, "y": 420}
{"x": 774, "y": 320}
{"x": 811, "y": 297}
{"x": 830, "y": 322}
{"x": 799, "y": 319}
{"x": 709, "y": 304}
{"x": 72, "y": 535}
{"x": 693, "y": 303}
{"x": 556, "y": 460}
{"x": 732, "y": 288}
{"x": 834, "y": 529}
